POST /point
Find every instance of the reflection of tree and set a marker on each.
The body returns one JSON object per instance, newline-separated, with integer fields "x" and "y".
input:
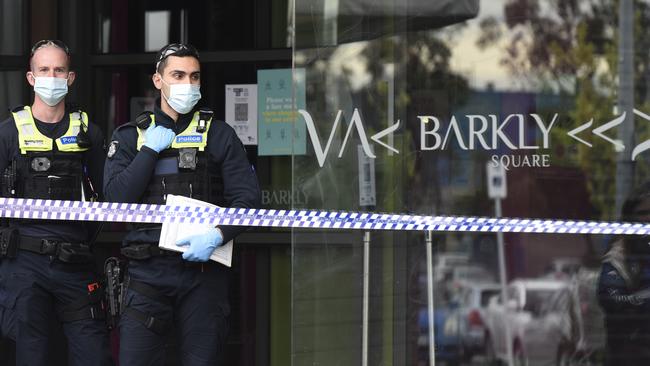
{"x": 419, "y": 64}
{"x": 570, "y": 46}
{"x": 428, "y": 87}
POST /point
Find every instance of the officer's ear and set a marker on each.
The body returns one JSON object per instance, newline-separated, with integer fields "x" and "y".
{"x": 71, "y": 77}
{"x": 30, "y": 78}
{"x": 157, "y": 80}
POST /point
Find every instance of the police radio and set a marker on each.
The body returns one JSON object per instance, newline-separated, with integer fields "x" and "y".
{"x": 83, "y": 140}
{"x": 205, "y": 115}
{"x": 9, "y": 180}
{"x": 143, "y": 120}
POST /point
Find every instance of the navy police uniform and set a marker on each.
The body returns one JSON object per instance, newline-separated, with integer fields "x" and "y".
{"x": 46, "y": 267}
{"x": 206, "y": 161}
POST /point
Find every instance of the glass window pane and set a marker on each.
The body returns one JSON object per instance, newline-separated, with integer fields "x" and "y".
{"x": 553, "y": 94}
{"x": 156, "y": 25}
{"x": 12, "y": 27}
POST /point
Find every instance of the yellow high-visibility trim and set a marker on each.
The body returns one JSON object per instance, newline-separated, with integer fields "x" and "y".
{"x": 31, "y": 139}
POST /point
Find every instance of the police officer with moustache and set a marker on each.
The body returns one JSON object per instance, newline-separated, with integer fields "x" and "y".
{"x": 50, "y": 151}
{"x": 177, "y": 149}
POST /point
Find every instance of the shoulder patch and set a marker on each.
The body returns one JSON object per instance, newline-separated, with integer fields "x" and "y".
{"x": 112, "y": 148}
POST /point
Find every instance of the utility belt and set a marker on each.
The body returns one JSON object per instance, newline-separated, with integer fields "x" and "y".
{"x": 11, "y": 241}
{"x": 90, "y": 306}
{"x": 142, "y": 251}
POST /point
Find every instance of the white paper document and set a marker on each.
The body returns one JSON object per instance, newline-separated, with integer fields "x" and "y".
{"x": 171, "y": 232}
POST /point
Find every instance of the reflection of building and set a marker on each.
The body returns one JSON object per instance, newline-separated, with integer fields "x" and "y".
{"x": 298, "y": 294}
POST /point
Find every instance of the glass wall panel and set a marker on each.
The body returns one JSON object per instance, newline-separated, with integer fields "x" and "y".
{"x": 407, "y": 106}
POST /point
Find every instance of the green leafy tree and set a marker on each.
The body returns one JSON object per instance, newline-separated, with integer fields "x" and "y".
{"x": 570, "y": 47}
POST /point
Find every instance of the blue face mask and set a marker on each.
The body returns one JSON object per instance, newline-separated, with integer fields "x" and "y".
{"x": 51, "y": 90}
{"x": 182, "y": 97}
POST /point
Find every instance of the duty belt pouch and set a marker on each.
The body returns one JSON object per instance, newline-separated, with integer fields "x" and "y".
{"x": 8, "y": 242}
{"x": 74, "y": 253}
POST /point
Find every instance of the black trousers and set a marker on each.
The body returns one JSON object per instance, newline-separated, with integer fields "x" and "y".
{"x": 196, "y": 307}
{"x": 34, "y": 289}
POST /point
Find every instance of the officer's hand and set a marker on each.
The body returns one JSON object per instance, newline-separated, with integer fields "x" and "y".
{"x": 201, "y": 245}
{"x": 158, "y": 138}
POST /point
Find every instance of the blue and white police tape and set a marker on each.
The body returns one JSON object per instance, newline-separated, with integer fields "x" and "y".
{"x": 20, "y": 208}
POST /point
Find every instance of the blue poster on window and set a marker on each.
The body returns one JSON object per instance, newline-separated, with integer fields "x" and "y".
{"x": 280, "y": 95}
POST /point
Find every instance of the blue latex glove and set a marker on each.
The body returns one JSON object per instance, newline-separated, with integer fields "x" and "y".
{"x": 158, "y": 138}
{"x": 201, "y": 245}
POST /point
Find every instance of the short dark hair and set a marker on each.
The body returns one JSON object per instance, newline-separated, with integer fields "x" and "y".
{"x": 174, "y": 49}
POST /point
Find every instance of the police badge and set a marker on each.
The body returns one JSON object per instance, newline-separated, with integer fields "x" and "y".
{"x": 112, "y": 148}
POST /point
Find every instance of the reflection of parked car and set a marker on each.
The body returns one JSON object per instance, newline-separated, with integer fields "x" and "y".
{"x": 474, "y": 298}
{"x": 540, "y": 325}
{"x": 563, "y": 267}
{"x": 446, "y": 333}
{"x": 471, "y": 273}
{"x": 446, "y": 262}
{"x": 463, "y": 275}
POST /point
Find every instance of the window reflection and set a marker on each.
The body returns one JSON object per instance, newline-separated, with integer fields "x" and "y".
{"x": 538, "y": 86}
{"x": 12, "y": 35}
{"x": 156, "y": 29}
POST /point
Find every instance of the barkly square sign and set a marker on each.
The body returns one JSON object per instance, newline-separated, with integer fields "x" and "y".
{"x": 478, "y": 132}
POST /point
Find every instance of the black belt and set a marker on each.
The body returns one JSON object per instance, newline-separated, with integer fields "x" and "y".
{"x": 46, "y": 246}
{"x": 64, "y": 251}
{"x": 141, "y": 251}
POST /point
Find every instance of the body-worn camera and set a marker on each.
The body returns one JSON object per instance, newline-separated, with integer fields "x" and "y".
{"x": 187, "y": 158}
{"x": 41, "y": 164}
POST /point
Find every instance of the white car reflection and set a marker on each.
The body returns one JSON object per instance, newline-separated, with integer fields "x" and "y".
{"x": 445, "y": 263}
{"x": 473, "y": 301}
{"x": 540, "y": 323}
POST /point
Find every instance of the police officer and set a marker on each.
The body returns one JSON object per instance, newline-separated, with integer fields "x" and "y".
{"x": 624, "y": 289}
{"x": 177, "y": 149}
{"x": 50, "y": 151}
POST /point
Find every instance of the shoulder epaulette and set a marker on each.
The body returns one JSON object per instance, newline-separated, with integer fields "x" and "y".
{"x": 128, "y": 124}
{"x": 17, "y": 109}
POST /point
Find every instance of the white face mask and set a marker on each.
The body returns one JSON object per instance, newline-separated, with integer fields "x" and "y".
{"x": 51, "y": 90}
{"x": 182, "y": 97}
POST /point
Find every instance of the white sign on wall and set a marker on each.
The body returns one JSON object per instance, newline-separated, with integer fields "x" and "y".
{"x": 241, "y": 111}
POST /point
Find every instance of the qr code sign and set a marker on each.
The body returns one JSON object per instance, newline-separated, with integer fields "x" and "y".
{"x": 241, "y": 112}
